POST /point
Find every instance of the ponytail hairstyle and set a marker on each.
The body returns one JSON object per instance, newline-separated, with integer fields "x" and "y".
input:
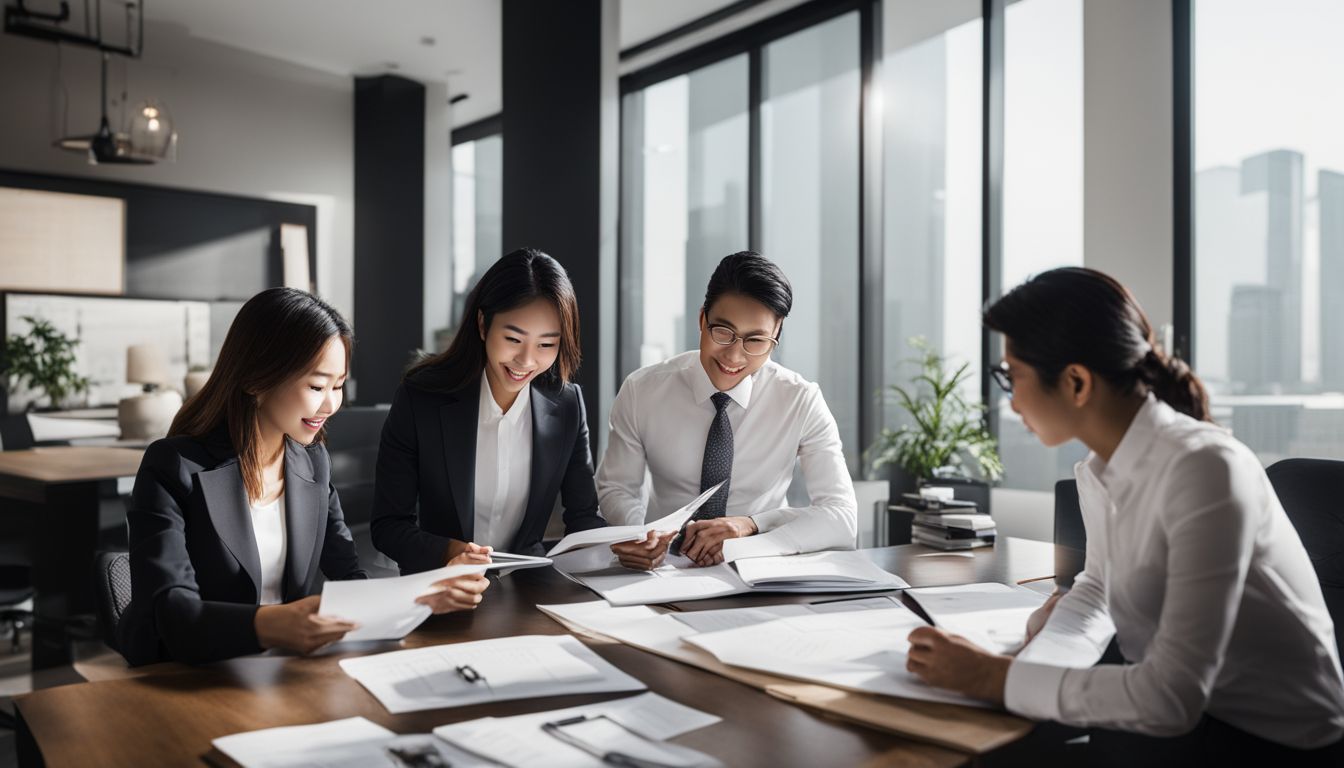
{"x": 1075, "y": 315}
{"x": 518, "y": 278}
{"x": 276, "y": 337}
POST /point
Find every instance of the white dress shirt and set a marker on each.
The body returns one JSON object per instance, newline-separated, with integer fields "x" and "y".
{"x": 1213, "y": 598}
{"x": 268, "y": 527}
{"x": 503, "y": 467}
{"x": 660, "y": 421}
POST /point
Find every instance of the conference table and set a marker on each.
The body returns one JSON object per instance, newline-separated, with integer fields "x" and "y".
{"x": 169, "y": 714}
{"x": 57, "y": 490}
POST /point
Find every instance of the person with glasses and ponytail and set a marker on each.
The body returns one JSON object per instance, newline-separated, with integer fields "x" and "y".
{"x": 726, "y": 413}
{"x": 233, "y": 520}
{"x": 1229, "y": 654}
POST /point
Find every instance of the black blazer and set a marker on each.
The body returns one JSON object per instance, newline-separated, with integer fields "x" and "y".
{"x": 428, "y": 453}
{"x": 195, "y": 571}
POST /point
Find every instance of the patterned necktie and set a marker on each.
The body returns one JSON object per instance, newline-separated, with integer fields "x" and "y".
{"x": 717, "y": 466}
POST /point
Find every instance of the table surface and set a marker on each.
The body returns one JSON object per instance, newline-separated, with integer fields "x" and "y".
{"x": 170, "y": 715}
{"x": 70, "y": 464}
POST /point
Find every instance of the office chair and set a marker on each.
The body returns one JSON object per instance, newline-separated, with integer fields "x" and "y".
{"x": 1310, "y": 492}
{"x": 112, "y": 592}
{"x": 1069, "y": 532}
{"x": 16, "y": 433}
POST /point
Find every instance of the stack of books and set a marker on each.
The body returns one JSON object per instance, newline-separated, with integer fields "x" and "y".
{"x": 943, "y": 522}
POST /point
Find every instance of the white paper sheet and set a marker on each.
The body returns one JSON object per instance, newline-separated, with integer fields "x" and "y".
{"x": 350, "y": 743}
{"x": 505, "y": 561}
{"x": 520, "y": 741}
{"x": 615, "y": 534}
{"x": 862, "y": 650}
{"x": 385, "y": 609}
{"x": 521, "y": 667}
{"x": 817, "y": 571}
{"x": 993, "y": 616}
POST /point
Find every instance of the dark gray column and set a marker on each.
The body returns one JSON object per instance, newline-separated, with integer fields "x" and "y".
{"x": 561, "y": 115}
{"x": 389, "y": 232}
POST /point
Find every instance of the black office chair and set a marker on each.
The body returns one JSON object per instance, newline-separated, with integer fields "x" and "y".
{"x": 112, "y": 586}
{"x": 1069, "y": 532}
{"x": 16, "y": 432}
{"x": 1312, "y": 493}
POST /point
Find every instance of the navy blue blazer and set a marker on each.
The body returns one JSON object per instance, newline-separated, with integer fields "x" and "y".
{"x": 428, "y": 455}
{"x": 195, "y": 570}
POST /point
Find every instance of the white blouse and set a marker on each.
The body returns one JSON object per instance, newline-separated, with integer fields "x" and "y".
{"x": 1197, "y": 570}
{"x": 268, "y": 526}
{"x": 503, "y": 467}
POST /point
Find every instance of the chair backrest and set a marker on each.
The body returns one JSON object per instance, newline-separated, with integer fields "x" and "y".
{"x": 1069, "y": 532}
{"x": 1312, "y": 493}
{"x": 353, "y": 437}
{"x": 16, "y": 432}
{"x": 112, "y": 585}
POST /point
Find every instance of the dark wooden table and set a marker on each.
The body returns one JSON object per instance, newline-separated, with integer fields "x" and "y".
{"x": 170, "y": 716}
{"x": 57, "y": 490}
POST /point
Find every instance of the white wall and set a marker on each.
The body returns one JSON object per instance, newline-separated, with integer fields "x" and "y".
{"x": 248, "y": 125}
{"x": 1128, "y": 147}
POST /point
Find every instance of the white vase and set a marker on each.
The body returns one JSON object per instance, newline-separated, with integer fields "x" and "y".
{"x": 147, "y": 416}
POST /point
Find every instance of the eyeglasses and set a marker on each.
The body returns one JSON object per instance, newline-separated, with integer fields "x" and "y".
{"x": 752, "y": 345}
{"x": 1001, "y": 377}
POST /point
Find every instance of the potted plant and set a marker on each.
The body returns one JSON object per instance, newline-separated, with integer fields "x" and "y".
{"x": 946, "y": 436}
{"x": 42, "y": 361}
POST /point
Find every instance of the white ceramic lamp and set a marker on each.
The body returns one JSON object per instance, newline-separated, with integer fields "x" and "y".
{"x": 147, "y": 415}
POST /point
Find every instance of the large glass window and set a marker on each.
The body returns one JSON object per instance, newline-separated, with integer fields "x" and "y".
{"x": 810, "y": 206}
{"x": 1042, "y": 190}
{"x": 1269, "y": 222}
{"x": 478, "y": 204}
{"x": 932, "y": 95}
{"x": 685, "y": 185}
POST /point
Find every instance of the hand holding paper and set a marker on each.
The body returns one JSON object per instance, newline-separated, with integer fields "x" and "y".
{"x": 615, "y": 534}
{"x": 386, "y": 609}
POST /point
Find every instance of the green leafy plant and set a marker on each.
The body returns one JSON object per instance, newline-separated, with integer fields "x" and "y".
{"x": 948, "y": 433}
{"x": 43, "y": 360}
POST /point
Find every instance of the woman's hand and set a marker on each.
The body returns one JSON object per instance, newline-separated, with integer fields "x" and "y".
{"x": 467, "y": 553}
{"x": 1036, "y": 621}
{"x": 951, "y": 661}
{"x": 297, "y": 626}
{"x": 460, "y": 593}
{"x": 646, "y": 554}
{"x": 704, "y": 539}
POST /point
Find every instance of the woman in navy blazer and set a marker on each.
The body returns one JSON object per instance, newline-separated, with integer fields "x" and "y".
{"x": 233, "y": 515}
{"x": 510, "y": 364}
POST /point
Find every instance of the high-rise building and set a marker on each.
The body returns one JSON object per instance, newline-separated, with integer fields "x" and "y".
{"x": 1255, "y": 333}
{"x": 1278, "y": 173}
{"x": 1330, "y": 199}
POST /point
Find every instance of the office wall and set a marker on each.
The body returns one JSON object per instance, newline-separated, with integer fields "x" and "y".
{"x": 248, "y": 125}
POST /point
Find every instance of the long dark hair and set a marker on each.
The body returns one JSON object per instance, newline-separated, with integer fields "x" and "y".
{"x": 1075, "y": 315}
{"x": 276, "y": 337}
{"x": 516, "y": 279}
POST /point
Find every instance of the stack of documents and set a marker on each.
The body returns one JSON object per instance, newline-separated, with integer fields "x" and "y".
{"x": 679, "y": 579}
{"x": 636, "y": 727}
{"x": 386, "y": 609}
{"x": 943, "y": 522}
{"x": 457, "y": 674}
{"x": 993, "y": 616}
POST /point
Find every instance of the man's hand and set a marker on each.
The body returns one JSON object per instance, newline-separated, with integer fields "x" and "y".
{"x": 703, "y": 542}
{"x": 1036, "y": 621}
{"x": 646, "y": 554}
{"x": 297, "y": 627}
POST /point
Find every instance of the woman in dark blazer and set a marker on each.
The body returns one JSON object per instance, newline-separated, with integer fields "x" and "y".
{"x": 234, "y": 514}
{"x": 482, "y": 438}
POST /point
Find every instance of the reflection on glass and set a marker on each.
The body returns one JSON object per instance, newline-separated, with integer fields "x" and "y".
{"x": 1269, "y": 223}
{"x": 810, "y": 206}
{"x": 478, "y": 203}
{"x": 1042, "y": 189}
{"x": 684, "y": 180}
{"x": 932, "y": 87}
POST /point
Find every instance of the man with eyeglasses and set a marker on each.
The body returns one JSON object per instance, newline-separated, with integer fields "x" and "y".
{"x": 728, "y": 413}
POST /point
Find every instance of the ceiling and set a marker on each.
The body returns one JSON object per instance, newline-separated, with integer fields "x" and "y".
{"x": 452, "y": 41}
